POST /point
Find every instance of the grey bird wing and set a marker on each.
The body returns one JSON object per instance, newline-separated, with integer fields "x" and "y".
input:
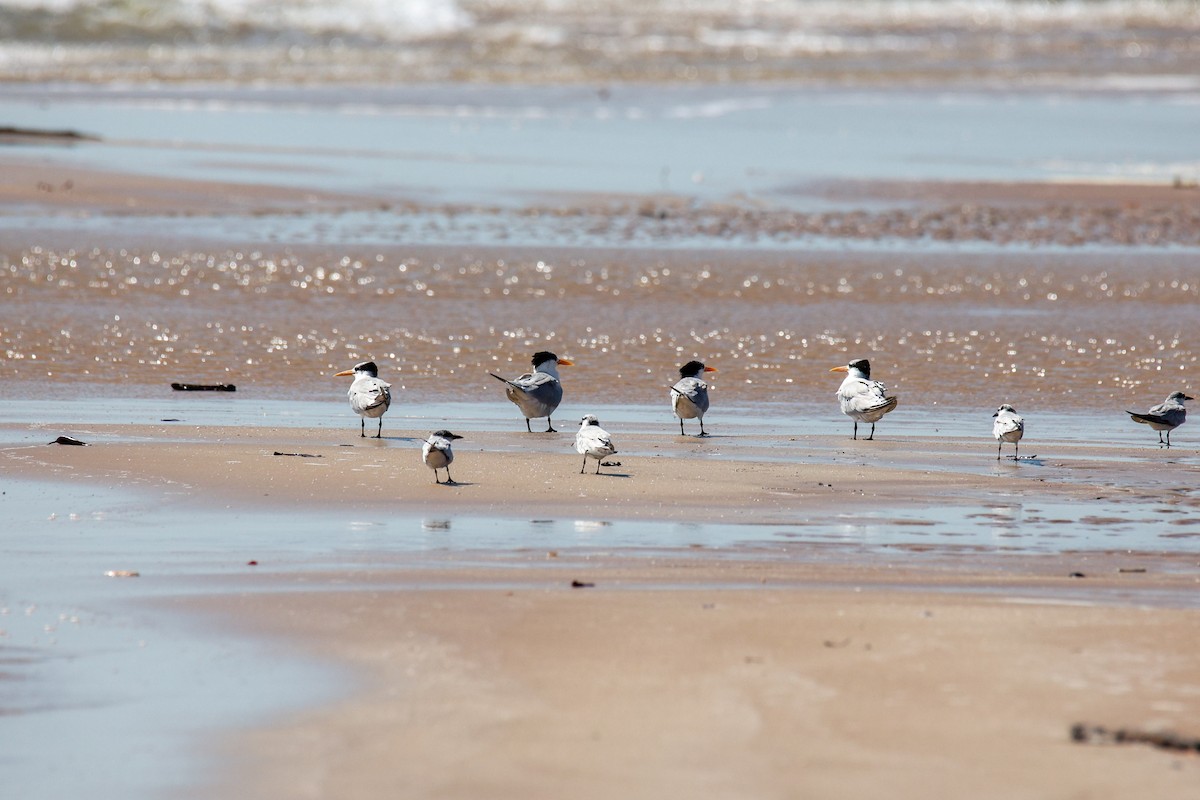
{"x": 1152, "y": 419}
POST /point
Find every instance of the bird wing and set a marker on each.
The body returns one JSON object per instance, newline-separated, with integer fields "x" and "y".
{"x": 529, "y": 382}
{"x": 1151, "y": 419}
{"x": 693, "y": 389}
{"x": 1007, "y": 423}
{"x": 369, "y": 393}
{"x": 864, "y": 396}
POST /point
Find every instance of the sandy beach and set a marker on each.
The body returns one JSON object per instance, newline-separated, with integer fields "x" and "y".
{"x": 233, "y": 594}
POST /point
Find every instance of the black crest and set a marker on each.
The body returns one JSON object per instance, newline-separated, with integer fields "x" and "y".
{"x": 368, "y": 367}
{"x": 691, "y": 369}
{"x": 542, "y": 356}
{"x": 862, "y": 365}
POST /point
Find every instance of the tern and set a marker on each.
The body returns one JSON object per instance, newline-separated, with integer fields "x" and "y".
{"x": 689, "y": 395}
{"x": 1166, "y": 416}
{"x": 537, "y": 393}
{"x": 1008, "y": 427}
{"x": 369, "y": 396}
{"x": 862, "y": 399}
{"x": 592, "y": 441}
{"x": 437, "y": 453}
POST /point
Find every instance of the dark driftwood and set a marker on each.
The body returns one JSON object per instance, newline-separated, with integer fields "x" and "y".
{"x": 204, "y": 387}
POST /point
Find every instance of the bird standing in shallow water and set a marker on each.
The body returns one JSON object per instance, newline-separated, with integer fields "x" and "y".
{"x": 369, "y": 396}
{"x": 689, "y": 395}
{"x": 537, "y": 393}
{"x": 1008, "y": 427}
{"x": 1166, "y": 416}
{"x": 438, "y": 454}
{"x": 862, "y": 399}
{"x": 592, "y": 441}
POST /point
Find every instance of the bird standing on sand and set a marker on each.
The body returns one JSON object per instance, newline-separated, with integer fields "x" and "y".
{"x": 1166, "y": 416}
{"x": 689, "y": 395}
{"x": 537, "y": 393}
{"x": 592, "y": 441}
{"x": 862, "y": 399}
{"x": 1008, "y": 427}
{"x": 437, "y": 453}
{"x": 369, "y": 396}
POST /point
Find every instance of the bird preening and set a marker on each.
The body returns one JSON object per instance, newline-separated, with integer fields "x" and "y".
{"x": 437, "y": 453}
{"x": 1008, "y": 427}
{"x": 862, "y": 399}
{"x": 689, "y": 395}
{"x": 592, "y": 441}
{"x": 369, "y": 396}
{"x": 537, "y": 393}
{"x": 1166, "y": 416}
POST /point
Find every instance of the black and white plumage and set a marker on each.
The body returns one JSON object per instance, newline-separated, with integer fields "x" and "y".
{"x": 438, "y": 454}
{"x": 862, "y": 399}
{"x": 369, "y": 396}
{"x": 537, "y": 393}
{"x": 592, "y": 441}
{"x": 1008, "y": 427}
{"x": 689, "y": 395}
{"x": 1166, "y": 416}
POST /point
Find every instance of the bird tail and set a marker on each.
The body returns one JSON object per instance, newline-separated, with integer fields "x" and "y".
{"x": 886, "y": 406}
{"x": 1146, "y": 419}
{"x": 505, "y": 381}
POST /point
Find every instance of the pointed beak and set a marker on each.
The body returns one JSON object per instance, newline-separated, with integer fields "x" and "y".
{"x": 343, "y": 373}
{"x": 710, "y": 369}
{"x": 455, "y": 436}
{"x": 840, "y": 369}
{"x": 996, "y": 414}
{"x": 566, "y": 362}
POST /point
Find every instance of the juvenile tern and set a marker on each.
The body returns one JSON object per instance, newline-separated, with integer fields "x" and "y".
{"x": 1008, "y": 427}
{"x": 689, "y": 395}
{"x": 862, "y": 399}
{"x": 1166, "y": 416}
{"x": 437, "y": 453}
{"x": 592, "y": 441}
{"x": 369, "y": 396}
{"x": 537, "y": 393}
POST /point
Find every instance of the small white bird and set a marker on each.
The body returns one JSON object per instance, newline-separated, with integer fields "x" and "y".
{"x": 592, "y": 441}
{"x": 862, "y": 399}
{"x": 369, "y": 396}
{"x": 1166, "y": 416}
{"x": 437, "y": 453}
{"x": 689, "y": 395}
{"x": 537, "y": 393}
{"x": 1008, "y": 427}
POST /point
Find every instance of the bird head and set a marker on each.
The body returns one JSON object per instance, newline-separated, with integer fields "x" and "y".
{"x": 694, "y": 368}
{"x": 589, "y": 419}
{"x": 447, "y": 435}
{"x": 363, "y": 368}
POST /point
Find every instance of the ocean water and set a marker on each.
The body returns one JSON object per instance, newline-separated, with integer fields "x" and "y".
{"x": 1121, "y": 42}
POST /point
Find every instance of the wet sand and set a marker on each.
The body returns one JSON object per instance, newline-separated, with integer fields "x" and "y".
{"x": 851, "y": 652}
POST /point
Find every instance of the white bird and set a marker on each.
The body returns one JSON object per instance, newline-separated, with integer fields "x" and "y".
{"x": 437, "y": 453}
{"x": 862, "y": 399}
{"x": 1166, "y": 416}
{"x": 537, "y": 393}
{"x": 689, "y": 395}
{"x": 1008, "y": 427}
{"x": 592, "y": 441}
{"x": 369, "y": 396}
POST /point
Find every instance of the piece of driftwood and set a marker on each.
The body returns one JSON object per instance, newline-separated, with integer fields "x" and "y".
{"x": 204, "y": 387}
{"x": 69, "y": 440}
{"x": 1084, "y": 733}
{"x": 300, "y": 455}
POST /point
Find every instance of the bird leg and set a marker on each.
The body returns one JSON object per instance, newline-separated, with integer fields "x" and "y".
{"x": 527, "y": 427}
{"x": 435, "y": 476}
{"x": 999, "y": 449}
{"x": 856, "y": 430}
{"x": 449, "y": 480}
{"x": 871, "y": 438}
{"x": 550, "y": 426}
{"x": 379, "y": 433}
{"x": 681, "y": 426}
{"x": 363, "y": 427}
{"x": 598, "y": 460}
{"x": 582, "y": 468}
{"x": 1016, "y": 451}
{"x": 702, "y": 433}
